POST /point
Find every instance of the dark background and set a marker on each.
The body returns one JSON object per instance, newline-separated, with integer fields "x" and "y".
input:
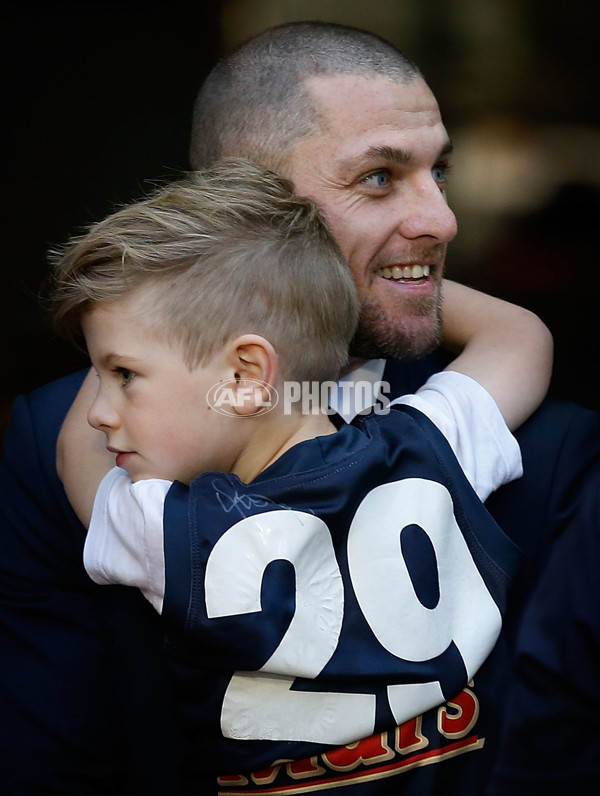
{"x": 98, "y": 107}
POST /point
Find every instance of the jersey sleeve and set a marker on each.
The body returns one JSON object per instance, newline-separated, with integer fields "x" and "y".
{"x": 469, "y": 418}
{"x": 125, "y": 538}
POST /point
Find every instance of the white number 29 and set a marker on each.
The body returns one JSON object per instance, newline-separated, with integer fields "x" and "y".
{"x": 261, "y": 704}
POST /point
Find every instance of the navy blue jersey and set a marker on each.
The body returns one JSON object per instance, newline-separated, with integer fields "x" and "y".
{"x": 85, "y": 705}
{"x": 356, "y": 583}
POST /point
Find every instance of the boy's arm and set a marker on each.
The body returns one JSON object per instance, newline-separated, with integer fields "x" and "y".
{"x": 81, "y": 456}
{"x": 506, "y": 348}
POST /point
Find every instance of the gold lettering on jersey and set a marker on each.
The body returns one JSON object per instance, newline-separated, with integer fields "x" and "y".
{"x": 378, "y": 757}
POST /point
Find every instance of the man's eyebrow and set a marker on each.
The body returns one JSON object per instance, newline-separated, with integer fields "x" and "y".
{"x": 397, "y": 155}
{"x": 447, "y": 149}
{"x": 375, "y": 154}
{"x": 391, "y": 154}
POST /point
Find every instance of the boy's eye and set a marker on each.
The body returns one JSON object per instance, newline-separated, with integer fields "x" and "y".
{"x": 125, "y": 374}
{"x": 378, "y": 179}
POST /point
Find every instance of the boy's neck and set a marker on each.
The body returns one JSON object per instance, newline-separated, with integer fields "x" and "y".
{"x": 353, "y": 364}
{"x": 269, "y": 444}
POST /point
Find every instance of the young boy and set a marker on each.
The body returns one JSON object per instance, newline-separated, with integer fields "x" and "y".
{"x": 317, "y": 586}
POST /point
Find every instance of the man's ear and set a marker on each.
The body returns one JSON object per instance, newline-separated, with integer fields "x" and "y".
{"x": 255, "y": 367}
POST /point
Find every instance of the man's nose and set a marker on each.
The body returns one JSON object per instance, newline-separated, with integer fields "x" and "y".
{"x": 425, "y": 212}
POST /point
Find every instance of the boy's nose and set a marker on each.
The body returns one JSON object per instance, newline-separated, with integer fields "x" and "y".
{"x": 100, "y": 414}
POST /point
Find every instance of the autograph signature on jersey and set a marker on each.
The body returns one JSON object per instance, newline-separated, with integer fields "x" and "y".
{"x": 245, "y": 504}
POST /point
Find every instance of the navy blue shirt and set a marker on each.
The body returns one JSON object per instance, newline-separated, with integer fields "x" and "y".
{"x": 551, "y": 742}
{"x": 355, "y": 584}
{"x": 85, "y": 702}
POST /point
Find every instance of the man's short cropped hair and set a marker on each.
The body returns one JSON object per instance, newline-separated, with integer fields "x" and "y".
{"x": 225, "y": 251}
{"x": 255, "y": 104}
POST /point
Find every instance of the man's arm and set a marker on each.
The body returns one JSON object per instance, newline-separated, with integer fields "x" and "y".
{"x": 506, "y": 348}
{"x": 124, "y": 545}
{"x": 82, "y": 459}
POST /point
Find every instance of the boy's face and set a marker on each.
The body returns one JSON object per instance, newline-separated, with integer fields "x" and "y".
{"x": 152, "y": 408}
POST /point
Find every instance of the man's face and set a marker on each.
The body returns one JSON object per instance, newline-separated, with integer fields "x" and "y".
{"x": 377, "y": 168}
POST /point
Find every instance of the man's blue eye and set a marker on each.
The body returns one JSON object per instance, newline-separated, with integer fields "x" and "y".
{"x": 440, "y": 172}
{"x": 379, "y": 179}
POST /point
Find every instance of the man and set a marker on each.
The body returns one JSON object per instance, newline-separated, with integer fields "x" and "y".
{"x": 354, "y": 125}
{"x": 352, "y": 122}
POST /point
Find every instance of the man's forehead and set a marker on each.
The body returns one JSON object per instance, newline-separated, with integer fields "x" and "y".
{"x": 343, "y": 87}
{"x": 375, "y": 119}
{"x": 355, "y": 105}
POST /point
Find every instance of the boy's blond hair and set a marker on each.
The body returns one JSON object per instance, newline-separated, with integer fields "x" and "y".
{"x": 225, "y": 251}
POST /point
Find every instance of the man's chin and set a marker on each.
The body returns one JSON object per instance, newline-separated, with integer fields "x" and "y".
{"x": 411, "y": 337}
{"x": 406, "y": 350}
{"x": 398, "y": 345}
{"x": 408, "y": 332}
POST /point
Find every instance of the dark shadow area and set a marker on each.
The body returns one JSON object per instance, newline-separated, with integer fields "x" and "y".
{"x": 99, "y": 101}
{"x": 545, "y": 262}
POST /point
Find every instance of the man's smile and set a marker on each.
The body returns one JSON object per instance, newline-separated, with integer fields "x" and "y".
{"x": 404, "y": 273}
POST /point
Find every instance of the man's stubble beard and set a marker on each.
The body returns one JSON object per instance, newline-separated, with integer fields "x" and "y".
{"x": 380, "y": 335}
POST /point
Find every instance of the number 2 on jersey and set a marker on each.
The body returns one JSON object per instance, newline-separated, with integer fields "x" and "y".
{"x": 260, "y": 704}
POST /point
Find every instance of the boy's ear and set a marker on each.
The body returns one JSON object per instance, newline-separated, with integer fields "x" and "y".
{"x": 255, "y": 365}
